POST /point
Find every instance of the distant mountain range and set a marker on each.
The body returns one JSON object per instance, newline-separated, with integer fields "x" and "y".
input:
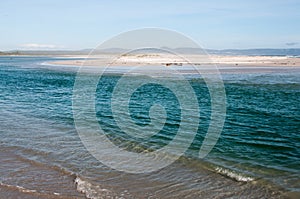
{"x": 250, "y": 52}
{"x": 261, "y": 51}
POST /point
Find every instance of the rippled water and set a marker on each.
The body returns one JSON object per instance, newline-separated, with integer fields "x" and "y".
{"x": 42, "y": 156}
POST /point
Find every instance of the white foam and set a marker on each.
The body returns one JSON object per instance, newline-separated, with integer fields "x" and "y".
{"x": 19, "y": 188}
{"x": 47, "y": 63}
{"x": 236, "y": 176}
{"x": 25, "y": 190}
{"x": 91, "y": 191}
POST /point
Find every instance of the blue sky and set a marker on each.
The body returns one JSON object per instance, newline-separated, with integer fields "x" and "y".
{"x": 57, "y": 24}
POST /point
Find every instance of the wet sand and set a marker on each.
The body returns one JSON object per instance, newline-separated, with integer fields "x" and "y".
{"x": 24, "y": 178}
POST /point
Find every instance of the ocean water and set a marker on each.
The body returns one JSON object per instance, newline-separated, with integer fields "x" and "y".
{"x": 42, "y": 156}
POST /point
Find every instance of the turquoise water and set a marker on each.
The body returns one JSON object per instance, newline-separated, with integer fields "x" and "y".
{"x": 259, "y": 148}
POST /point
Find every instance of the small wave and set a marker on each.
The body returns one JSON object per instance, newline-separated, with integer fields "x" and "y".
{"x": 92, "y": 191}
{"x": 19, "y": 188}
{"x": 233, "y": 175}
{"x": 47, "y": 63}
{"x": 25, "y": 190}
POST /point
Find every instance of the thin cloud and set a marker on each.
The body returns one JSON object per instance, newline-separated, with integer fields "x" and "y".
{"x": 40, "y": 46}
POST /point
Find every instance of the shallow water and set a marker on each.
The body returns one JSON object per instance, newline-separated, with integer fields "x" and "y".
{"x": 42, "y": 155}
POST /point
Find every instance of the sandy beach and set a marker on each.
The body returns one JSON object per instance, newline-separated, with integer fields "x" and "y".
{"x": 167, "y": 60}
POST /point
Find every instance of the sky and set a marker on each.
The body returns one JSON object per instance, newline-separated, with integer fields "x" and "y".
{"x": 213, "y": 24}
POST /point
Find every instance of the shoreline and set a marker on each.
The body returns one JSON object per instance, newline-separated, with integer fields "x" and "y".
{"x": 171, "y": 60}
{"x": 186, "y": 64}
{"x": 159, "y": 59}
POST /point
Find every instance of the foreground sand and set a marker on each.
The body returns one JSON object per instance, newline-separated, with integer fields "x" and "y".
{"x": 166, "y": 59}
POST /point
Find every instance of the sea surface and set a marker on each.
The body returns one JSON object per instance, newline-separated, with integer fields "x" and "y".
{"x": 42, "y": 156}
